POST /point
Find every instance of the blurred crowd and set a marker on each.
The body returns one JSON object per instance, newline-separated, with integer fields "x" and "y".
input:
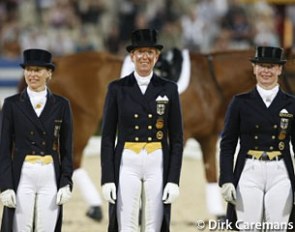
{"x": 70, "y": 26}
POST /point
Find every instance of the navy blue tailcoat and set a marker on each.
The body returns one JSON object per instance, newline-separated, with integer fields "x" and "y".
{"x": 258, "y": 128}
{"x": 23, "y": 132}
{"x": 125, "y": 107}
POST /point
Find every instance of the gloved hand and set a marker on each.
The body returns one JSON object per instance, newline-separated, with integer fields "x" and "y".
{"x": 8, "y": 198}
{"x": 109, "y": 192}
{"x": 64, "y": 194}
{"x": 228, "y": 192}
{"x": 171, "y": 192}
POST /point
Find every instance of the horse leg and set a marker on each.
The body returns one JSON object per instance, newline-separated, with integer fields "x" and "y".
{"x": 89, "y": 193}
{"x": 213, "y": 195}
{"x": 87, "y": 187}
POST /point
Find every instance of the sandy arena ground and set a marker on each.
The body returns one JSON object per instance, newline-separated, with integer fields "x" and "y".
{"x": 188, "y": 208}
{"x": 186, "y": 211}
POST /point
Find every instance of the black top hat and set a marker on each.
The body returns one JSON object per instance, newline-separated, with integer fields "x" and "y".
{"x": 272, "y": 55}
{"x": 37, "y": 57}
{"x": 144, "y": 38}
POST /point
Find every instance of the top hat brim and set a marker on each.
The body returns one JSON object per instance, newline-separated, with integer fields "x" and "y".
{"x": 132, "y": 47}
{"x": 267, "y": 61}
{"x": 47, "y": 65}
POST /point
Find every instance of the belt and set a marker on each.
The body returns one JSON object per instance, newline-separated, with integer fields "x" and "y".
{"x": 138, "y": 146}
{"x": 264, "y": 155}
{"x": 47, "y": 159}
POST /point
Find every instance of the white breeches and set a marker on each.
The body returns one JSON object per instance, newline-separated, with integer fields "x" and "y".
{"x": 141, "y": 180}
{"x": 36, "y": 199}
{"x": 264, "y": 194}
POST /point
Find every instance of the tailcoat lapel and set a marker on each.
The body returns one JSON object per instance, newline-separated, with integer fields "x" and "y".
{"x": 255, "y": 102}
{"x": 270, "y": 113}
{"x": 133, "y": 89}
{"x": 280, "y": 102}
{"x": 153, "y": 89}
{"x": 47, "y": 111}
{"x": 26, "y": 107}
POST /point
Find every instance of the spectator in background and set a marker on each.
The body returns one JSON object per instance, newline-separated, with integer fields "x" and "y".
{"x": 237, "y": 23}
{"x": 192, "y": 30}
{"x": 84, "y": 43}
{"x": 291, "y": 15}
{"x": 222, "y": 41}
{"x": 62, "y": 15}
{"x": 210, "y": 12}
{"x": 42, "y": 8}
{"x": 158, "y": 20}
{"x": 112, "y": 41}
{"x": 10, "y": 43}
{"x": 128, "y": 10}
{"x": 34, "y": 37}
{"x": 61, "y": 42}
{"x": 265, "y": 35}
{"x": 264, "y": 25}
{"x": 171, "y": 33}
{"x": 90, "y": 11}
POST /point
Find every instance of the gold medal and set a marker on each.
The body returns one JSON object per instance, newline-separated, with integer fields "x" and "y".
{"x": 38, "y": 106}
{"x": 282, "y": 135}
{"x": 160, "y": 135}
{"x": 160, "y": 123}
{"x": 281, "y": 146}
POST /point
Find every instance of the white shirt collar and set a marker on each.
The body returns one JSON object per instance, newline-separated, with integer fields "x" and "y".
{"x": 143, "y": 80}
{"x": 38, "y": 100}
{"x": 267, "y": 94}
{"x": 33, "y": 94}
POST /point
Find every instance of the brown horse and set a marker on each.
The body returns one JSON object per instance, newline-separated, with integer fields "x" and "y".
{"x": 215, "y": 79}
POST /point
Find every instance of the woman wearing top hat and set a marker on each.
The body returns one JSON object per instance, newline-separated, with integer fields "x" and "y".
{"x": 142, "y": 165}
{"x": 259, "y": 187}
{"x": 35, "y": 151}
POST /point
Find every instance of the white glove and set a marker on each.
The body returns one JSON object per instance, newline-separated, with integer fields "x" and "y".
{"x": 228, "y": 192}
{"x": 171, "y": 192}
{"x": 109, "y": 192}
{"x": 8, "y": 198}
{"x": 64, "y": 194}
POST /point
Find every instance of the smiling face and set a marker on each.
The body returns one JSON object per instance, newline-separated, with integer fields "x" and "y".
{"x": 144, "y": 60}
{"x": 267, "y": 75}
{"x": 36, "y": 77}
